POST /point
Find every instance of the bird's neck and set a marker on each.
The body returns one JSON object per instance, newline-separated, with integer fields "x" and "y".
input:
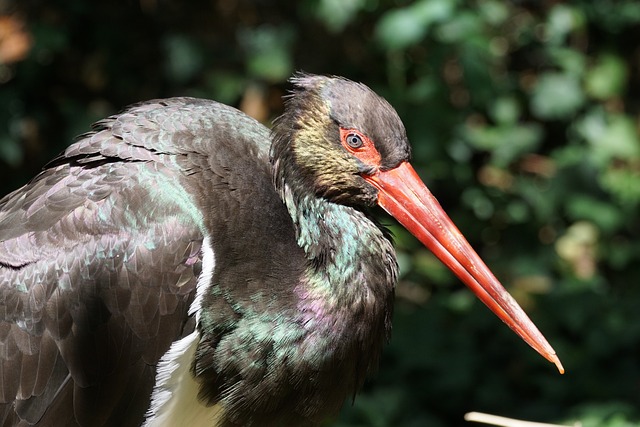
{"x": 327, "y": 232}
{"x": 345, "y": 300}
{"x": 349, "y": 257}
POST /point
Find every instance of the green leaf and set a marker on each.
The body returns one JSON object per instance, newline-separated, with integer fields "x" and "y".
{"x": 429, "y": 267}
{"x": 605, "y": 414}
{"x": 623, "y": 182}
{"x": 268, "y": 51}
{"x": 606, "y": 216}
{"x": 505, "y": 110}
{"x": 505, "y": 142}
{"x": 476, "y": 199}
{"x": 337, "y": 14}
{"x": 610, "y": 135}
{"x": 184, "y": 58}
{"x": 10, "y": 151}
{"x": 401, "y": 28}
{"x": 561, "y": 21}
{"x": 571, "y": 61}
{"x": 493, "y": 12}
{"x": 460, "y": 28}
{"x": 224, "y": 86}
{"x": 556, "y": 96}
{"x": 607, "y": 78}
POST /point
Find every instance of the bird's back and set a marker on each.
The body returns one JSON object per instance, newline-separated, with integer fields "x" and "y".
{"x": 100, "y": 256}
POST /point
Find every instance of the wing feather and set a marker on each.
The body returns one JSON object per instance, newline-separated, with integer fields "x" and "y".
{"x": 99, "y": 257}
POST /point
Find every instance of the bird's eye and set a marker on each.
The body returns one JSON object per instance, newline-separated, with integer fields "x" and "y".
{"x": 354, "y": 140}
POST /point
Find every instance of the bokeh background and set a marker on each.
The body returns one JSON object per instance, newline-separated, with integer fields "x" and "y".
{"x": 524, "y": 117}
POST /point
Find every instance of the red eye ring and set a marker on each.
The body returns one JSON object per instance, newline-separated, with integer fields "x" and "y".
{"x": 360, "y": 146}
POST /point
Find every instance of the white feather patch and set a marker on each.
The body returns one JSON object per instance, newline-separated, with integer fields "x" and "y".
{"x": 204, "y": 281}
{"x": 174, "y": 401}
{"x": 175, "y": 397}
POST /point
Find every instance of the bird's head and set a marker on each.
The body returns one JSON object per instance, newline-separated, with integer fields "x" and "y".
{"x": 340, "y": 141}
{"x": 334, "y": 132}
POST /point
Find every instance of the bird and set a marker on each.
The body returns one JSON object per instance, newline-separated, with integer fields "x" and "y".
{"x": 183, "y": 264}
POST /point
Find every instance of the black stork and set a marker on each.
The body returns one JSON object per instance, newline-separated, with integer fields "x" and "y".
{"x": 181, "y": 265}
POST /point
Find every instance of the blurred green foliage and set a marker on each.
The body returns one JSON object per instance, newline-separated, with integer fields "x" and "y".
{"x": 524, "y": 118}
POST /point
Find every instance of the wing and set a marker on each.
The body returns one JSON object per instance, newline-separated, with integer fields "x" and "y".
{"x": 99, "y": 259}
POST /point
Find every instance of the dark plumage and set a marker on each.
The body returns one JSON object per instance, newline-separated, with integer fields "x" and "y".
{"x": 167, "y": 267}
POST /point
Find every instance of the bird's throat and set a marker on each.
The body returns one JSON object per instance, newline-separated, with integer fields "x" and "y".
{"x": 351, "y": 262}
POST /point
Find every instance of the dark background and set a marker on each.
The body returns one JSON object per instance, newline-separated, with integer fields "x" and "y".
{"x": 524, "y": 118}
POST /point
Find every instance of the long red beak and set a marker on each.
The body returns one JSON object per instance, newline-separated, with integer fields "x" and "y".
{"x": 404, "y": 196}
